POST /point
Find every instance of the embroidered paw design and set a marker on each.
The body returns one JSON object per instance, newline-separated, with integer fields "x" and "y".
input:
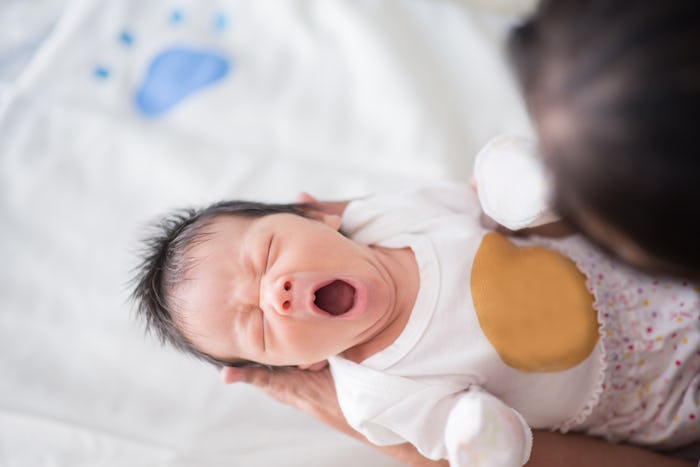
{"x": 175, "y": 72}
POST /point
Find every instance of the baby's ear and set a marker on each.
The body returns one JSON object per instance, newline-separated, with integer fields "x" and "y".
{"x": 331, "y": 220}
{"x": 314, "y": 366}
{"x": 305, "y": 198}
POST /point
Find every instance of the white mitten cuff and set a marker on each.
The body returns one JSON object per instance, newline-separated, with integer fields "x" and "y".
{"x": 482, "y": 431}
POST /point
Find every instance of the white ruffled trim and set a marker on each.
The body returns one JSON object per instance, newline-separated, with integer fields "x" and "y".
{"x": 600, "y": 305}
{"x": 594, "y": 400}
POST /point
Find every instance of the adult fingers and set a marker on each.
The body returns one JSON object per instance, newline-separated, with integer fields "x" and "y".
{"x": 299, "y": 388}
{"x": 257, "y": 376}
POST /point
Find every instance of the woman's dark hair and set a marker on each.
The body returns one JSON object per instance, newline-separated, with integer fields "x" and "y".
{"x": 164, "y": 265}
{"x": 614, "y": 90}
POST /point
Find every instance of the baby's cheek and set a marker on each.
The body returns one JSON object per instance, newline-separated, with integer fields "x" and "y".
{"x": 533, "y": 306}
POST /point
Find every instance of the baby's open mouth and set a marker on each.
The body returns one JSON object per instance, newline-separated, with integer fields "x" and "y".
{"x": 335, "y": 298}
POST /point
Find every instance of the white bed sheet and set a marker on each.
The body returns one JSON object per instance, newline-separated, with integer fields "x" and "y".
{"x": 338, "y": 98}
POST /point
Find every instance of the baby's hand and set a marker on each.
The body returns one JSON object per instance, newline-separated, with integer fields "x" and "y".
{"x": 512, "y": 183}
{"x": 488, "y": 222}
{"x": 484, "y": 432}
{"x": 555, "y": 229}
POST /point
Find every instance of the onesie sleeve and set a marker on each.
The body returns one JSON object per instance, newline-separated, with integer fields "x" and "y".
{"x": 470, "y": 427}
{"x": 512, "y": 183}
{"x": 377, "y": 217}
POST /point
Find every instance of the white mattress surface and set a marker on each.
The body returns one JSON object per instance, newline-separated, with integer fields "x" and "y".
{"x": 335, "y": 97}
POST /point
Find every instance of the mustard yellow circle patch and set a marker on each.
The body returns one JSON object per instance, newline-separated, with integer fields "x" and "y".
{"x": 533, "y": 305}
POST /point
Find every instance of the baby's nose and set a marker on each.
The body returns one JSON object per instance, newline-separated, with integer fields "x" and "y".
{"x": 278, "y": 294}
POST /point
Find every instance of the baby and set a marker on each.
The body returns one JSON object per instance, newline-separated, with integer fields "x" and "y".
{"x": 437, "y": 331}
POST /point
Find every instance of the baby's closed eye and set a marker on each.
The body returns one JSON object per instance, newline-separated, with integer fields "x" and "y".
{"x": 268, "y": 253}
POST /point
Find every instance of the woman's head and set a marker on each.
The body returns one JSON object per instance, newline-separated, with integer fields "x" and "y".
{"x": 614, "y": 91}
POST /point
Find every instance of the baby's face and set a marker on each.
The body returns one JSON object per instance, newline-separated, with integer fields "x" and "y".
{"x": 281, "y": 290}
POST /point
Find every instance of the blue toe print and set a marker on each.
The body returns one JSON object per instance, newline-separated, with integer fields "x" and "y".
{"x": 126, "y": 38}
{"x": 177, "y": 16}
{"x": 219, "y": 22}
{"x": 176, "y": 73}
{"x": 101, "y": 72}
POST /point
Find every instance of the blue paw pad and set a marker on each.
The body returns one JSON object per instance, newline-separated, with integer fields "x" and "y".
{"x": 176, "y": 73}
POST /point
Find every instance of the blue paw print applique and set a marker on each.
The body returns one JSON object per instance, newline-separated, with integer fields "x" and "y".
{"x": 176, "y": 72}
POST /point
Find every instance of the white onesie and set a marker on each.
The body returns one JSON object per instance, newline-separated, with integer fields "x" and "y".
{"x": 450, "y": 386}
{"x": 442, "y": 360}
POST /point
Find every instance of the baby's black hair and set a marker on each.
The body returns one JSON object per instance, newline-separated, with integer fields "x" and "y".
{"x": 614, "y": 90}
{"x": 164, "y": 265}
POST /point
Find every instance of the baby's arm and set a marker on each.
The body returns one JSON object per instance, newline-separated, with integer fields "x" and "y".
{"x": 470, "y": 427}
{"x": 314, "y": 394}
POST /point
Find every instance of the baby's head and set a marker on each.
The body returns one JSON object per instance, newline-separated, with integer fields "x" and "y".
{"x": 615, "y": 94}
{"x": 241, "y": 282}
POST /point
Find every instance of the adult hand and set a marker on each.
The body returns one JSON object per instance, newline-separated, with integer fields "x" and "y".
{"x": 312, "y": 391}
{"x": 553, "y": 449}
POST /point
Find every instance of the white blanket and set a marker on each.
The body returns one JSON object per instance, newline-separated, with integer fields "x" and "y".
{"x": 335, "y": 97}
